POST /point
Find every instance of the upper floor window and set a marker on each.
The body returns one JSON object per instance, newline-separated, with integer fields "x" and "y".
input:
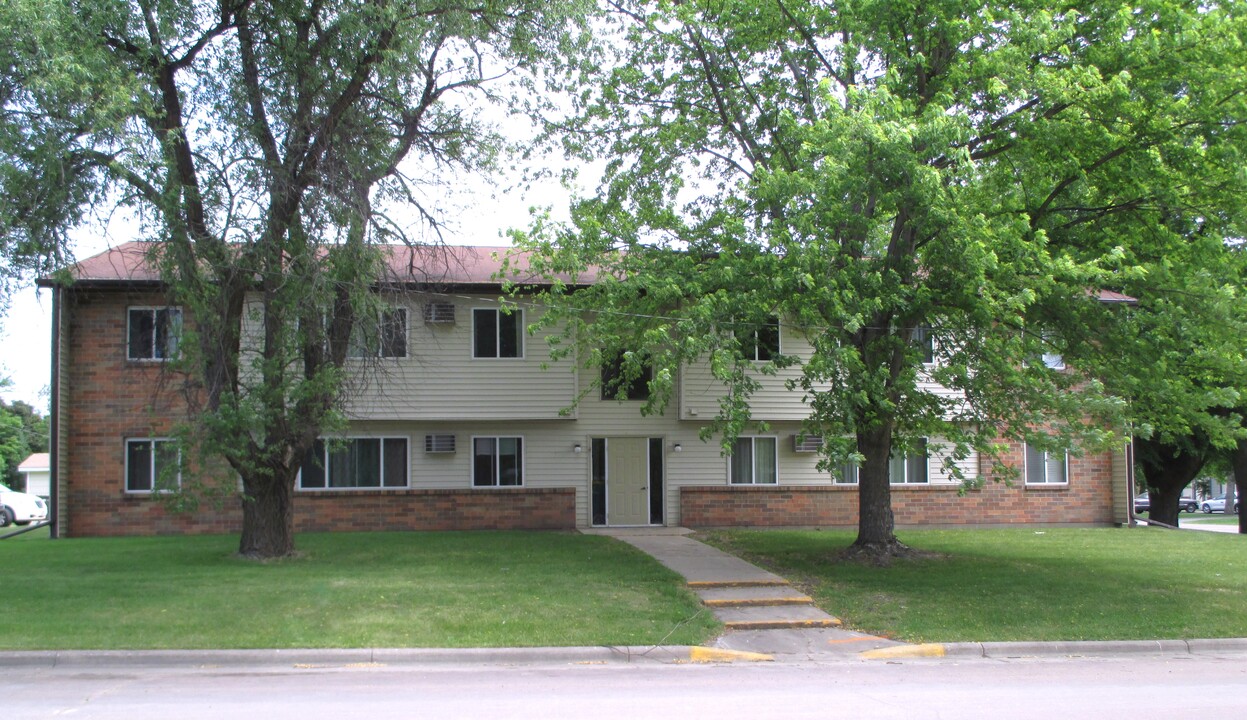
{"x": 911, "y": 467}
{"x": 355, "y": 463}
{"x": 753, "y": 462}
{"x": 760, "y": 343}
{"x": 386, "y": 338}
{"x": 497, "y": 461}
{"x": 1051, "y": 357}
{"x": 624, "y": 380}
{"x": 153, "y": 333}
{"x": 497, "y": 334}
{"x": 1046, "y": 468}
{"x": 152, "y": 465}
{"x": 924, "y": 339}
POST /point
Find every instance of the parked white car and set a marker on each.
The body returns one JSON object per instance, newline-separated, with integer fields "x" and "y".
{"x": 1217, "y": 504}
{"x": 21, "y": 508}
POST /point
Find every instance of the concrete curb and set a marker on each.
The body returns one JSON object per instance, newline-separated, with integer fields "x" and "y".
{"x": 373, "y": 657}
{"x": 1087, "y": 648}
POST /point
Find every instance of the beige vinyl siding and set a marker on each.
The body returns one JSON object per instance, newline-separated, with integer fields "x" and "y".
{"x": 441, "y": 389}
{"x": 938, "y": 451}
{"x": 441, "y": 380}
{"x": 701, "y": 391}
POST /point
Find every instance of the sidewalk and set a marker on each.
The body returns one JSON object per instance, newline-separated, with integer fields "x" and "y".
{"x": 762, "y": 612}
{"x": 1196, "y": 524}
{"x": 768, "y": 619}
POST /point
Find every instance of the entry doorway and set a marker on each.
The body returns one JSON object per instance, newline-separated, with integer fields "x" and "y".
{"x": 628, "y": 487}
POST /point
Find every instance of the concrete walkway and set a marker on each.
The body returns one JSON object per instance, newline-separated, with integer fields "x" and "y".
{"x": 763, "y": 612}
{"x": 1196, "y": 524}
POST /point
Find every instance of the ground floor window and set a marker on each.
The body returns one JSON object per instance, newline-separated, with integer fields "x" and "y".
{"x": 497, "y": 461}
{"x": 1046, "y": 468}
{"x": 355, "y": 463}
{"x": 909, "y": 468}
{"x": 152, "y": 465}
{"x": 754, "y": 461}
{"x": 846, "y": 473}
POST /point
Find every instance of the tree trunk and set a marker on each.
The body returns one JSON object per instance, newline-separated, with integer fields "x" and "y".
{"x": 1240, "y": 481}
{"x": 267, "y": 519}
{"x": 875, "y": 523}
{"x": 1167, "y": 469}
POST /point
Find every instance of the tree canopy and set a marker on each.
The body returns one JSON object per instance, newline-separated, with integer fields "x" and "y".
{"x": 262, "y": 143}
{"x": 22, "y": 431}
{"x": 874, "y": 172}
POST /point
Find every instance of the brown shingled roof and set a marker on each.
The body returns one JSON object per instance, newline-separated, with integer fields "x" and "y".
{"x": 432, "y": 265}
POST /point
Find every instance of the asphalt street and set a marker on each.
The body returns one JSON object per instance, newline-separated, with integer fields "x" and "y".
{"x": 1209, "y": 687}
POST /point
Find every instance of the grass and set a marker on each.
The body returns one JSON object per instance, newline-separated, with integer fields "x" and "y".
{"x": 992, "y": 585}
{"x": 1212, "y": 519}
{"x": 346, "y": 590}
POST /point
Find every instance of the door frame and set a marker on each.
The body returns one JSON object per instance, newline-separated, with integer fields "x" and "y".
{"x": 599, "y": 480}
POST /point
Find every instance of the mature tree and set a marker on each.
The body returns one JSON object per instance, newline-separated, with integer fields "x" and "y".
{"x": 261, "y": 141}
{"x": 22, "y": 431}
{"x": 1179, "y": 358}
{"x": 876, "y": 172}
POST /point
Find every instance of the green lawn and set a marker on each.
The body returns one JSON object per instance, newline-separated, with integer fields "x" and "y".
{"x": 347, "y": 590}
{"x": 1217, "y": 519}
{"x": 989, "y": 585}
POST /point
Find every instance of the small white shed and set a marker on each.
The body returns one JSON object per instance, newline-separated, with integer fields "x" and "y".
{"x": 38, "y": 471}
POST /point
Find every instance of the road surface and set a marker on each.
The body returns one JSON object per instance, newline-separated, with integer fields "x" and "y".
{"x": 1172, "y": 686}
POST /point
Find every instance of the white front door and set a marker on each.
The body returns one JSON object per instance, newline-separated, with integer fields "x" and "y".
{"x": 627, "y": 481}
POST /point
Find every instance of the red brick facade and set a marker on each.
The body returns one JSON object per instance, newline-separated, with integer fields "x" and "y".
{"x": 1088, "y": 499}
{"x": 96, "y": 513}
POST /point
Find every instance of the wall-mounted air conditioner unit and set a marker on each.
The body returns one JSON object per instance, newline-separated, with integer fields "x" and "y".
{"x": 806, "y": 443}
{"x": 439, "y": 443}
{"x": 439, "y": 313}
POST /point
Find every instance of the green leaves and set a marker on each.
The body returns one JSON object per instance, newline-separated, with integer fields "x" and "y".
{"x": 866, "y": 169}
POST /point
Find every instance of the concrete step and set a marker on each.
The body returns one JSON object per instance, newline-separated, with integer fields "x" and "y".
{"x": 773, "y": 617}
{"x": 753, "y": 596}
{"x": 699, "y": 585}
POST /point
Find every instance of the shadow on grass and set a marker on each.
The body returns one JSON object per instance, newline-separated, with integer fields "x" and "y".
{"x": 989, "y": 585}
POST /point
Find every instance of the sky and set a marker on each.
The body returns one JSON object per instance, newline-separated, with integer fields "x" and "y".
{"x": 477, "y": 214}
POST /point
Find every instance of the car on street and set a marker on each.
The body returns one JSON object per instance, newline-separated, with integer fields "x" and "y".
{"x": 1217, "y": 504}
{"x": 21, "y": 508}
{"x": 1142, "y": 503}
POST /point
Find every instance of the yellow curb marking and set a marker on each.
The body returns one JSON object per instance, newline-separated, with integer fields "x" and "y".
{"x": 905, "y": 651}
{"x": 704, "y": 655}
{"x": 863, "y": 638}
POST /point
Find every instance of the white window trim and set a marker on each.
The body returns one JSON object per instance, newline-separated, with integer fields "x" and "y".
{"x": 129, "y": 329}
{"x": 1046, "y": 483}
{"x": 498, "y": 337}
{"x": 926, "y": 444}
{"x": 378, "y": 356}
{"x": 757, "y": 345}
{"x": 125, "y": 480}
{"x": 752, "y": 470}
{"x": 497, "y": 484}
{"x": 1053, "y": 361}
{"x": 857, "y": 474}
{"x": 928, "y": 338}
{"x": 298, "y": 484}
